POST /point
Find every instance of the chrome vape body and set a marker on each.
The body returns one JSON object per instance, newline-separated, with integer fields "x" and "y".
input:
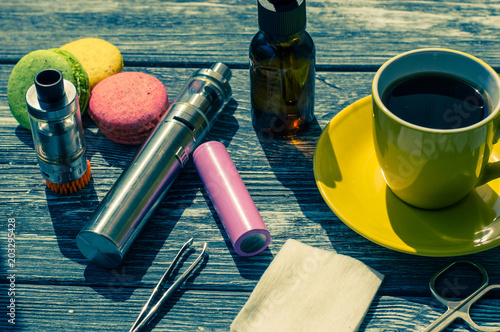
{"x": 123, "y": 212}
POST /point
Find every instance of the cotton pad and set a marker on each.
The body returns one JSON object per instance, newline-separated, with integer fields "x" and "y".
{"x": 309, "y": 289}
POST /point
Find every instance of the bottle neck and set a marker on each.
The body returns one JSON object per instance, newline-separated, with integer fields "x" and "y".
{"x": 282, "y": 40}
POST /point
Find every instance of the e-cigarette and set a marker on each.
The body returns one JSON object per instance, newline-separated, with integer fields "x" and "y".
{"x": 125, "y": 209}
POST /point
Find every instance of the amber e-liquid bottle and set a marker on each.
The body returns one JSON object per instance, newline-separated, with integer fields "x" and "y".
{"x": 282, "y": 70}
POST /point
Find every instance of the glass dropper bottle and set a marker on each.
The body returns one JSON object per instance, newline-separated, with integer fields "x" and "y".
{"x": 282, "y": 70}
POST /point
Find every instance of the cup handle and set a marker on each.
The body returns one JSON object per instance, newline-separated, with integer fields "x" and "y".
{"x": 492, "y": 169}
{"x": 491, "y": 172}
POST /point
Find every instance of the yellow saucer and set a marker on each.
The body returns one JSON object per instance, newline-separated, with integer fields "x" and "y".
{"x": 351, "y": 183}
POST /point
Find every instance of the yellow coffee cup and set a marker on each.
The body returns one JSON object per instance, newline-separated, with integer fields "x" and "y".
{"x": 436, "y": 114}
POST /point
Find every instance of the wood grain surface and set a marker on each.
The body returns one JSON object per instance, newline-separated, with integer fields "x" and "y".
{"x": 56, "y": 288}
{"x": 186, "y": 33}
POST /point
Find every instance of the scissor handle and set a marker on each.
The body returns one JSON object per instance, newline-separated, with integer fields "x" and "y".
{"x": 466, "y": 309}
{"x": 447, "y": 302}
{"x": 458, "y": 308}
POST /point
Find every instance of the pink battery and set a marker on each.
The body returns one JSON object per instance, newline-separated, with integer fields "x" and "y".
{"x": 236, "y": 209}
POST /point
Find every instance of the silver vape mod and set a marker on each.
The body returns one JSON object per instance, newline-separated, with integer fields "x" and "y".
{"x": 56, "y": 127}
{"x": 130, "y": 202}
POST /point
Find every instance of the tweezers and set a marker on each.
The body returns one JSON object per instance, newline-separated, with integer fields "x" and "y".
{"x": 145, "y": 317}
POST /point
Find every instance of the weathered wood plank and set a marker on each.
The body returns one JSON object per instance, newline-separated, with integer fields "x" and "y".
{"x": 346, "y": 33}
{"x": 62, "y": 308}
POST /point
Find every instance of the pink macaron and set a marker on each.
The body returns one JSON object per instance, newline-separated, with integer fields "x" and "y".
{"x": 127, "y": 106}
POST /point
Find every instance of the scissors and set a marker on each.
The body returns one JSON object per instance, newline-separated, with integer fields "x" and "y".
{"x": 460, "y": 308}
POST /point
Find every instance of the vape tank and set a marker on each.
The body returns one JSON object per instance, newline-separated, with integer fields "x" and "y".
{"x": 56, "y": 127}
{"x": 130, "y": 202}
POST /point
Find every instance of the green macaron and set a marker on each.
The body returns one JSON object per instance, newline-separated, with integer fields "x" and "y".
{"x": 23, "y": 76}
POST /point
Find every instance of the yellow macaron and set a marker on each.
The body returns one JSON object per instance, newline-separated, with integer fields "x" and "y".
{"x": 98, "y": 57}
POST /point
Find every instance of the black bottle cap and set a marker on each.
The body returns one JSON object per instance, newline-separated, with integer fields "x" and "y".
{"x": 282, "y": 17}
{"x": 49, "y": 85}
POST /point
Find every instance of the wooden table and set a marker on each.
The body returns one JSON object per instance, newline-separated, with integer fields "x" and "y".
{"x": 55, "y": 287}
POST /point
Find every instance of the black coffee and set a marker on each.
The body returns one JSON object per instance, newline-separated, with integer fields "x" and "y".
{"x": 436, "y": 101}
